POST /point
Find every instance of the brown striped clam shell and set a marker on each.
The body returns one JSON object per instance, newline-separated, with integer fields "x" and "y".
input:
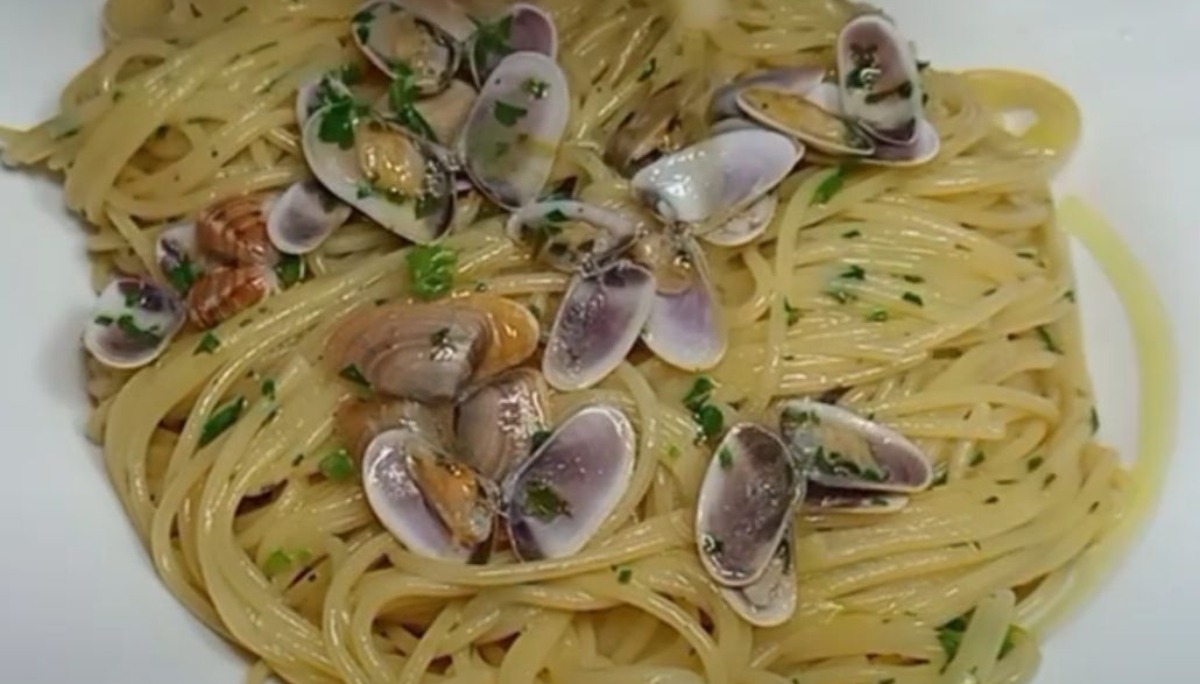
{"x": 235, "y": 231}
{"x": 226, "y": 291}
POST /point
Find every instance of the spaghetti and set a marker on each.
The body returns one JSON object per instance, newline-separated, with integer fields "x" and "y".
{"x": 957, "y": 326}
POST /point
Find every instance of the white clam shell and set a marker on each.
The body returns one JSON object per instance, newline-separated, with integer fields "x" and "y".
{"x": 772, "y": 599}
{"x": 530, "y": 29}
{"x": 687, "y": 328}
{"x": 303, "y": 217}
{"x": 717, "y": 177}
{"x": 585, "y": 465}
{"x": 511, "y": 138}
{"x": 132, "y": 323}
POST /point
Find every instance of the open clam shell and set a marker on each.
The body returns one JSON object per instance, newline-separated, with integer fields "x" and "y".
{"x": 597, "y": 325}
{"x": 511, "y": 137}
{"x": 570, "y": 235}
{"x": 404, "y": 42}
{"x": 686, "y": 326}
{"x": 433, "y": 352}
{"x": 648, "y": 131}
{"x": 558, "y": 499}
{"x": 397, "y": 179}
{"x": 522, "y": 28}
{"x": 497, "y": 422}
{"x": 132, "y": 322}
{"x": 805, "y": 117}
{"x": 750, "y": 491}
{"x": 359, "y": 420}
{"x": 435, "y": 507}
{"x": 846, "y": 451}
{"x": 718, "y": 177}
{"x": 797, "y": 80}
{"x": 879, "y": 81}
{"x": 304, "y": 216}
{"x": 772, "y": 599}
{"x": 445, "y": 113}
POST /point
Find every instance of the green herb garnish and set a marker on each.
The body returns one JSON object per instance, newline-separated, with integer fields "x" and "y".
{"x": 673, "y": 452}
{"x": 221, "y": 420}
{"x": 431, "y": 270}
{"x": 278, "y": 562}
{"x": 854, "y": 272}
{"x": 699, "y": 394}
{"x": 1048, "y": 341}
{"x": 793, "y": 314}
{"x": 1034, "y": 463}
{"x": 711, "y": 421}
{"x": 624, "y": 574}
{"x": 508, "y": 115}
{"x": 648, "y": 70}
{"x": 542, "y": 502}
{"x": 538, "y": 438}
{"x": 831, "y": 186}
{"x": 337, "y": 466}
{"x": 268, "y": 388}
{"x": 851, "y": 234}
{"x": 492, "y": 40}
{"x": 290, "y": 269}
{"x": 104, "y": 320}
{"x": 209, "y": 343}
{"x": 338, "y": 122}
{"x": 878, "y": 315}
{"x": 128, "y": 325}
{"x": 402, "y": 96}
{"x": 354, "y": 375}
{"x": 536, "y": 88}
{"x": 913, "y": 298}
{"x": 725, "y": 457}
{"x": 913, "y": 278}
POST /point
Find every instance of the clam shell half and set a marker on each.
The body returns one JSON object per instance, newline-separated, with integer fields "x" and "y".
{"x": 132, "y": 322}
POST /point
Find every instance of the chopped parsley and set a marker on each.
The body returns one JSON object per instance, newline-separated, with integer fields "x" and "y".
{"x": 711, "y": 545}
{"x": 337, "y": 466}
{"x": 851, "y": 234}
{"x": 831, "y": 186}
{"x": 536, "y": 88}
{"x": 221, "y": 420}
{"x": 507, "y": 114}
{"x": 1048, "y": 341}
{"x": 700, "y": 393}
{"x": 354, "y": 375}
{"x": 793, "y": 314}
{"x": 673, "y": 452}
{"x": 648, "y": 70}
{"x": 834, "y": 463}
{"x": 913, "y": 298}
{"x": 290, "y": 269}
{"x": 1035, "y": 463}
{"x": 556, "y": 216}
{"x": 104, "y": 321}
{"x": 128, "y": 325}
{"x": 725, "y": 457}
{"x": 337, "y": 124}
{"x": 854, "y": 272}
{"x": 708, "y": 417}
{"x": 624, "y": 574}
{"x": 209, "y": 343}
{"x": 991, "y": 500}
{"x": 431, "y": 270}
{"x": 402, "y": 96}
{"x": 840, "y": 295}
{"x": 268, "y": 388}
{"x": 542, "y": 502}
{"x": 538, "y": 438}
{"x": 878, "y": 315}
{"x": 281, "y": 561}
{"x": 912, "y": 278}
{"x": 492, "y": 40}
{"x": 183, "y": 274}
{"x": 950, "y": 636}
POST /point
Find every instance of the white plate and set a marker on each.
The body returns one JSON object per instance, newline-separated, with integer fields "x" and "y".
{"x": 80, "y": 602}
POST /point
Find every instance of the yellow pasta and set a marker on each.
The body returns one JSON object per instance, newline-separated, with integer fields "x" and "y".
{"x": 961, "y": 331}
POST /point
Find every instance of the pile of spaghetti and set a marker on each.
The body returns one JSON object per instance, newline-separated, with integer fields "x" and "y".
{"x": 935, "y": 299}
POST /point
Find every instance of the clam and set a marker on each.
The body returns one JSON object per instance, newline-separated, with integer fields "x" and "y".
{"x": 403, "y": 42}
{"x": 497, "y": 423}
{"x": 225, "y": 291}
{"x": 303, "y": 217}
{"x": 556, "y": 501}
{"x": 235, "y": 231}
{"x": 433, "y": 505}
{"x": 880, "y": 85}
{"x": 522, "y": 28}
{"x": 360, "y": 420}
{"x": 714, "y": 180}
{"x": 132, "y": 322}
{"x": 444, "y": 113}
{"x": 802, "y": 81}
{"x": 432, "y": 352}
{"x": 798, "y": 115}
{"x": 597, "y": 325}
{"x": 401, "y": 181}
{"x": 850, "y": 501}
{"x": 685, "y": 327}
{"x": 570, "y": 235}
{"x": 772, "y": 599}
{"x": 511, "y": 137}
{"x": 848, "y": 452}
{"x": 750, "y": 491}
{"x": 649, "y": 131}
{"x": 179, "y": 257}
{"x": 347, "y": 83}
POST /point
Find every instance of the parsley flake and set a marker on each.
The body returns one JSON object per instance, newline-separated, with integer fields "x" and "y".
{"x": 221, "y": 420}
{"x": 507, "y": 114}
{"x": 542, "y": 502}
{"x": 831, "y": 186}
{"x": 431, "y": 270}
{"x": 793, "y": 314}
{"x": 209, "y": 343}
{"x": 337, "y": 466}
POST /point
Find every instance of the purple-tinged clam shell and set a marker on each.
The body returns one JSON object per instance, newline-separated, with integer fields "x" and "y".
{"x": 132, "y": 322}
